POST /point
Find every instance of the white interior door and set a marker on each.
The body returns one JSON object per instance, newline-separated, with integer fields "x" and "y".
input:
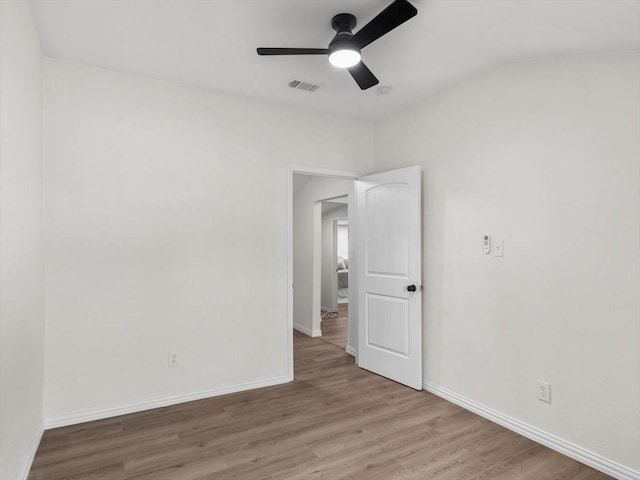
{"x": 388, "y": 216}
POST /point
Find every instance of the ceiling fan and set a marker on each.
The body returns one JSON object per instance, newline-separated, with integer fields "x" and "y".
{"x": 344, "y": 49}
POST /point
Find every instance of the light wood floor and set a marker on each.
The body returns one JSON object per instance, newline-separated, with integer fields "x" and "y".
{"x": 335, "y": 421}
{"x": 334, "y": 330}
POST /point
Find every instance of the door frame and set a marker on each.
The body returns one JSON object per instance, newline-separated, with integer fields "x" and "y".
{"x": 334, "y": 278}
{"x": 318, "y": 259}
{"x": 321, "y": 172}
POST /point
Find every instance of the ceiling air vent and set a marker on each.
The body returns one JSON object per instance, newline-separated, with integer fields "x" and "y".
{"x": 306, "y": 86}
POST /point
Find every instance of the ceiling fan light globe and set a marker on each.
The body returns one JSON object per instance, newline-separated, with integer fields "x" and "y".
{"x": 344, "y": 58}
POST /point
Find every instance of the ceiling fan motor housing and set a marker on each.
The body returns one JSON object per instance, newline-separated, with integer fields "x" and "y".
{"x": 343, "y": 24}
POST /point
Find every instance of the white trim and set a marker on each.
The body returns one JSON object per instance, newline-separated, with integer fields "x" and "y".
{"x": 334, "y": 263}
{"x": 351, "y": 351}
{"x": 164, "y": 402}
{"x": 335, "y": 300}
{"x": 26, "y": 468}
{"x": 307, "y": 331}
{"x": 303, "y": 170}
{"x": 324, "y": 172}
{"x": 316, "y": 267}
{"x": 594, "y": 460}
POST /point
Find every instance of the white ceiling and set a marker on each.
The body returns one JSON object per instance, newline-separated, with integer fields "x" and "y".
{"x": 211, "y": 43}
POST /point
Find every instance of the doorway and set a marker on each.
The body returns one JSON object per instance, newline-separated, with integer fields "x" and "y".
{"x": 310, "y": 189}
{"x": 388, "y": 263}
{"x": 334, "y": 285}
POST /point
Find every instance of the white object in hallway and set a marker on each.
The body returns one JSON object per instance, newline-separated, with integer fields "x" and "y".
{"x": 390, "y": 272}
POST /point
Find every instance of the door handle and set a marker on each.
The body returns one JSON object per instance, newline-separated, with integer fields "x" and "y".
{"x": 411, "y": 288}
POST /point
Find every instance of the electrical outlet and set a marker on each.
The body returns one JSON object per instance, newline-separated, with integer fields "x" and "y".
{"x": 172, "y": 359}
{"x": 544, "y": 391}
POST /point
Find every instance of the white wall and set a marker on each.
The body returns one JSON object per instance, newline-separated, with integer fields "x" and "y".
{"x": 21, "y": 240}
{"x": 542, "y": 154}
{"x": 167, "y": 229}
{"x": 329, "y": 286}
{"x": 342, "y": 240}
{"x": 305, "y": 207}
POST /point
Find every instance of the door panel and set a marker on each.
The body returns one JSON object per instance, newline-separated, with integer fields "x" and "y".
{"x": 388, "y": 207}
{"x": 388, "y": 324}
{"x": 386, "y": 228}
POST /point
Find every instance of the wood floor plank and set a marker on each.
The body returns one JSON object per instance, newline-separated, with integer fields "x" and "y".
{"x": 334, "y": 330}
{"x": 335, "y": 421}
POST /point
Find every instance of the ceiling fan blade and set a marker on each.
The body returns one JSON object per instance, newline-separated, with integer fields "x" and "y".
{"x": 391, "y": 17}
{"x": 363, "y": 76}
{"x": 293, "y": 51}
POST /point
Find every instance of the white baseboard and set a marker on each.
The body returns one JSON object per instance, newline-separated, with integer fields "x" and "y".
{"x": 164, "y": 402}
{"x": 26, "y": 468}
{"x": 307, "y": 331}
{"x": 566, "y": 448}
{"x": 351, "y": 350}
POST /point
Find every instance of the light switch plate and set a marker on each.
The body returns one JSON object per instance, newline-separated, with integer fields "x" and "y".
{"x": 498, "y": 248}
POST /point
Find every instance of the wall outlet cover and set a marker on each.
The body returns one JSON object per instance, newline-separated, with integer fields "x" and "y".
{"x": 544, "y": 391}
{"x": 172, "y": 359}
